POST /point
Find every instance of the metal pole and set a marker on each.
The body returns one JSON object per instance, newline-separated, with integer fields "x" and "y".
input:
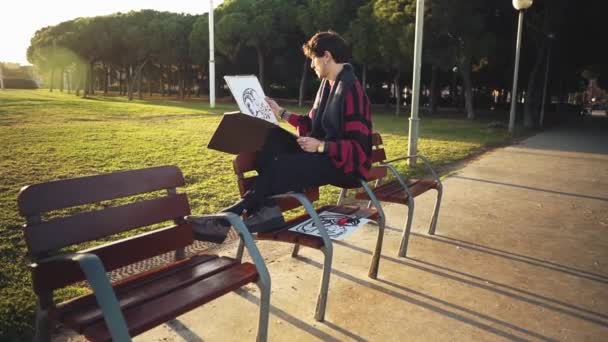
{"x": 1, "y": 77}
{"x": 542, "y": 107}
{"x": 211, "y": 58}
{"x": 515, "y": 73}
{"x": 414, "y": 120}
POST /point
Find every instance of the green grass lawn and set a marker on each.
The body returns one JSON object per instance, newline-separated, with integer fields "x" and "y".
{"x": 46, "y": 136}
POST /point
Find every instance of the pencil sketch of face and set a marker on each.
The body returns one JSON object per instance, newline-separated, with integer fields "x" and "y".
{"x": 335, "y": 224}
{"x": 255, "y": 104}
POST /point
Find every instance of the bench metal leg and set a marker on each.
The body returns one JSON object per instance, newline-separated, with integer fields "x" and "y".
{"x": 373, "y": 268}
{"x": 44, "y": 326}
{"x": 375, "y": 264}
{"x": 180, "y": 253}
{"x": 436, "y": 211}
{"x": 342, "y": 196}
{"x": 369, "y": 191}
{"x": 322, "y": 299}
{"x": 264, "y": 312}
{"x": 239, "y": 251}
{"x": 406, "y": 230}
{"x": 296, "y": 249}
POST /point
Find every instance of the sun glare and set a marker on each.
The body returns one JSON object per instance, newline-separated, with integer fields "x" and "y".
{"x": 29, "y": 16}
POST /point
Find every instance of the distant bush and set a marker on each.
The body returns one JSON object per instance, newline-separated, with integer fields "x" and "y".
{"x": 19, "y": 83}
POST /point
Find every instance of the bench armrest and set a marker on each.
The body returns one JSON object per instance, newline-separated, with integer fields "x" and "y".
{"x": 315, "y": 218}
{"x": 247, "y": 239}
{"x": 398, "y": 176}
{"x": 95, "y": 273}
{"x": 426, "y": 162}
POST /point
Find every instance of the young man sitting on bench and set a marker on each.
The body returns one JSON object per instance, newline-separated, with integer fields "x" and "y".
{"x": 335, "y": 142}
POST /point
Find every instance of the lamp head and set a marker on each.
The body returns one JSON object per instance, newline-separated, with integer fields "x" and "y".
{"x": 522, "y": 4}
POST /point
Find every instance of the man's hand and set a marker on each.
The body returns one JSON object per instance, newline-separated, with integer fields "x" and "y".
{"x": 276, "y": 109}
{"x": 309, "y": 144}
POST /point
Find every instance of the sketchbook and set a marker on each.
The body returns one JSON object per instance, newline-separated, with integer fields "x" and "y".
{"x": 254, "y": 126}
{"x": 249, "y": 96}
{"x": 339, "y": 226}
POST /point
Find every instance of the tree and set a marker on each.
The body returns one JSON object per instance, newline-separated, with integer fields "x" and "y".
{"x": 363, "y": 35}
{"x": 258, "y": 24}
{"x": 322, "y": 15}
{"x": 471, "y": 42}
{"x": 199, "y": 46}
{"x": 541, "y": 21}
{"x": 395, "y": 39}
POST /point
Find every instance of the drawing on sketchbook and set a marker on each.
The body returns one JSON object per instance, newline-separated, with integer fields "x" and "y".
{"x": 338, "y": 226}
{"x": 249, "y": 96}
{"x": 257, "y": 105}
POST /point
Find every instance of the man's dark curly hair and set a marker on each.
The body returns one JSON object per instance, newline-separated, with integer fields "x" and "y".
{"x": 327, "y": 41}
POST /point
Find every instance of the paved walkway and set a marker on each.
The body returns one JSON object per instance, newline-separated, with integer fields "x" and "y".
{"x": 521, "y": 253}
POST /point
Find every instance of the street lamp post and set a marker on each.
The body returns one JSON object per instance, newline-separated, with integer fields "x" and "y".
{"x": 551, "y": 36}
{"x": 521, "y": 6}
{"x": 211, "y": 58}
{"x": 414, "y": 120}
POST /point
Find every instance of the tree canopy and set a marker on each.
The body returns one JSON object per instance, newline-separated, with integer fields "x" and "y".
{"x": 168, "y": 52}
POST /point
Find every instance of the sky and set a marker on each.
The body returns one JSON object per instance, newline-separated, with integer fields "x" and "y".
{"x": 20, "y": 19}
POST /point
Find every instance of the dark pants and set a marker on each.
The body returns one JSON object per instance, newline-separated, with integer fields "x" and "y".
{"x": 288, "y": 171}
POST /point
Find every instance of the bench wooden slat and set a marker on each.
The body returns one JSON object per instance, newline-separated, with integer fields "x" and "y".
{"x": 393, "y": 191}
{"x": 378, "y": 155}
{"x": 113, "y": 255}
{"x": 157, "y": 311}
{"x": 62, "y": 232}
{"x": 77, "y": 315}
{"x": 128, "y": 284}
{"x": 376, "y": 139}
{"x": 244, "y": 162}
{"x": 376, "y": 173}
{"x": 40, "y": 198}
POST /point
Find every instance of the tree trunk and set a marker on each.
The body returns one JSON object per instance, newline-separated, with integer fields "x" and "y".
{"x": 68, "y": 78}
{"x": 52, "y": 79}
{"x": 130, "y": 83}
{"x": 454, "y": 89}
{"x": 468, "y": 88}
{"x": 180, "y": 82}
{"x": 397, "y": 93}
{"x": 77, "y": 81}
{"x": 261, "y": 66}
{"x": 108, "y": 80}
{"x": 364, "y": 77}
{"x": 135, "y": 76}
{"x": 303, "y": 83}
{"x": 91, "y": 78}
{"x": 199, "y": 81}
{"x": 434, "y": 91}
{"x": 161, "y": 85}
{"x": 61, "y": 80}
{"x": 149, "y": 86}
{"x": 121, "y": 84}
{"x": 85, "y": 85}
{"x": 532, "y": 89}
{"x": 1, "y": 78}
{"x": 139, "y": 84}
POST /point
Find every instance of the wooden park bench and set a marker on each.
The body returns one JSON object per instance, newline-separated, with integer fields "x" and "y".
{"x": 245, "y": 163}
{"x": 117, "y": 311}
{"x": 399, "y": 190}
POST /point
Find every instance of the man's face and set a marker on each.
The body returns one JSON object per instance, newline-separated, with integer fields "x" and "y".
{"x": 319, "y": 65}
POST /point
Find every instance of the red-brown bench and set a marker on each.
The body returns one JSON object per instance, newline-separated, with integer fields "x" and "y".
{"x": 398, "y": 189}
{"x": 244, "y": 164}
{"x": 138, "y": 303}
